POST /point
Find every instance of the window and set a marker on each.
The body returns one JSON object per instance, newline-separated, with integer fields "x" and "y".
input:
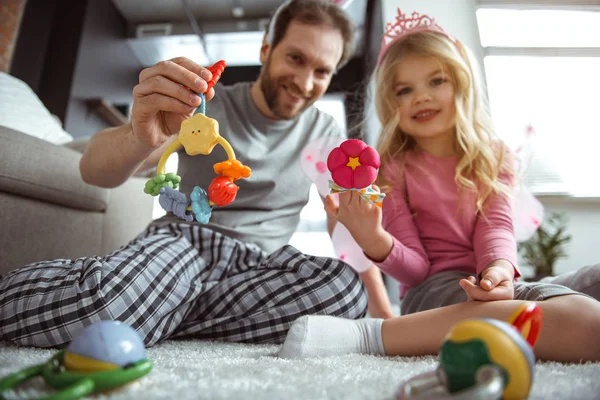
{"x": 311, "y": 236}
{"x": 542, "y": 61}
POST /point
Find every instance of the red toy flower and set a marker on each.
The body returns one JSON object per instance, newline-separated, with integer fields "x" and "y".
{"x": 353, "y": 165}
{"x": 222, "y": 191}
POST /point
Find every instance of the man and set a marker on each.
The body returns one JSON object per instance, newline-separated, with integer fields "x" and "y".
{"x": 215, "y": 281}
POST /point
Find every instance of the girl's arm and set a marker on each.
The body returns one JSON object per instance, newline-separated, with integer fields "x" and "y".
{"x": 407, "y": 260}
{"x": 494, "y": 238}
{"x": 379, "y": 301}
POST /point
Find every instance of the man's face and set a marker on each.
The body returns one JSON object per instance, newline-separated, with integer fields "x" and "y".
{"x": 299, "y": 69}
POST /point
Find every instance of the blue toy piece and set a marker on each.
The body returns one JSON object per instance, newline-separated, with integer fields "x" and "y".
{"x": 201, "y": 205}
{"x": 110, "y": 342}
{"x": 176, "y": 202}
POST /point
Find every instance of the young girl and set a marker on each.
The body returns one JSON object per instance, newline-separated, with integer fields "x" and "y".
{"x": 445, "y": 229}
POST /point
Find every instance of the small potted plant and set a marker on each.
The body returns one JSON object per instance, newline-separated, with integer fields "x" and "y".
{"x": 546, "y": 246}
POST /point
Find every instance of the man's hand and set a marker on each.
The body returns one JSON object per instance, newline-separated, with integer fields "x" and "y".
{"x": 496, "y": 283}
{"x": 162, "y": 100}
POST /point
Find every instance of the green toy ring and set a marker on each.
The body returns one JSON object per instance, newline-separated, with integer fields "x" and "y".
{"x": 73, "y": 385}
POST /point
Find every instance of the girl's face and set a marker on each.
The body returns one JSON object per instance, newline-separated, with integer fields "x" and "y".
{"x": 425, "y": 99}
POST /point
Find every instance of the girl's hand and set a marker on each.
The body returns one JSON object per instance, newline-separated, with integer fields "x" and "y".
{"x": 363, "y": 220}
{"x": 496, "y": 283}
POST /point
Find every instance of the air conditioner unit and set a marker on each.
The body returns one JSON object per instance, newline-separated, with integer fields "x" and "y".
{"x": 150, "y": 30}
{"x": 236, "y": 42}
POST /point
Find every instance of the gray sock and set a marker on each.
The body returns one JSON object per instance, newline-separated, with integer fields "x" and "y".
{"x": 321, "y": 336}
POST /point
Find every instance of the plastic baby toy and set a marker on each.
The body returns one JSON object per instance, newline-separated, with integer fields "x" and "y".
{"x": 483, "y": 359}
{"x": 354, "y": 166}
{"x": 199, "y": 135}
{"x": 106, "y": 355}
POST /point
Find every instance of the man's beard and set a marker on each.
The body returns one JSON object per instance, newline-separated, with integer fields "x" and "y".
{"x": 270, "y": 88}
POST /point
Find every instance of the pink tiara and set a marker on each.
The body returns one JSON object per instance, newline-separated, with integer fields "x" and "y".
{"x": 407, "y": 26}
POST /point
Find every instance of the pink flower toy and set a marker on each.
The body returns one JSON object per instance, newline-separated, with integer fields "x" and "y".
{"x": 354, "y": 166}
{"x": 319, "y": 159}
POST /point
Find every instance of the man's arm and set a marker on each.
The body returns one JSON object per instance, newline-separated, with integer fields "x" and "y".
{"x": 165, "y": 96}
{"x": 151, "y": 162}
{"x": 115, "y": 154}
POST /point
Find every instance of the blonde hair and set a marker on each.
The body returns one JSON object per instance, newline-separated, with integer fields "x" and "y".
{"x": 482, "y": 156}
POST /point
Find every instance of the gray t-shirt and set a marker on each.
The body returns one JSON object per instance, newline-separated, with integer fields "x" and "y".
{"x": 267, "y": 208}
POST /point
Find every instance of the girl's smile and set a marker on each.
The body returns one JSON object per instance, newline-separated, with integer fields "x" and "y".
{"x": 425, "y": 115}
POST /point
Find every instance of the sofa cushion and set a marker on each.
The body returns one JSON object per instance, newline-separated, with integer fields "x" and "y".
{"x": 22, "y": 110}
{"x": 40, "y": 170}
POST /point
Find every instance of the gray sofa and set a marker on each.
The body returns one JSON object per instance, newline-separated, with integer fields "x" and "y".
{"x": 48, "y": 212}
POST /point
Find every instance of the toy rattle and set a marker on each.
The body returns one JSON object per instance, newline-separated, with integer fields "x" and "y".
{"x": 199, "y": 135}
{"x": 483, "y": 359}
{"x": 353, "y": 166}
{"x": 106, "y": 355}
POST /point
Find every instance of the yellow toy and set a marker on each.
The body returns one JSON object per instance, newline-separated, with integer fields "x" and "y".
{"x": 199, "y": 135}
{"x": 483, "y": 359}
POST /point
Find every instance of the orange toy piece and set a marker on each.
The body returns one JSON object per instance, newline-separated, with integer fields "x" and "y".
{"x": 233, "y": 169}
{"x": 216, "y": 70}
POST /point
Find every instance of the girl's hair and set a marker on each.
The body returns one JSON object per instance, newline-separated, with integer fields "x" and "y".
{"x": 483, "y": 157}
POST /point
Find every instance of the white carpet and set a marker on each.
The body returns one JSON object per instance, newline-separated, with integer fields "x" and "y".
{"x": 206, "y": 370}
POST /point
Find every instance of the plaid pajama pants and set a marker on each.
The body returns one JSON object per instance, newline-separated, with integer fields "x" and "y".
{"x": 176, "y": 281}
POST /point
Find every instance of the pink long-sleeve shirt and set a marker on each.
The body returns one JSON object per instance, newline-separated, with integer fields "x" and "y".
{"x": 435, "y": 228}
